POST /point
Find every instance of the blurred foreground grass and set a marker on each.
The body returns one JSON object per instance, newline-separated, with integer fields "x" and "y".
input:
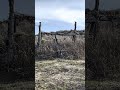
{"x": 54, "y": 75}
{"x": 102, "y": 85}
{"x": 18, "y": 86}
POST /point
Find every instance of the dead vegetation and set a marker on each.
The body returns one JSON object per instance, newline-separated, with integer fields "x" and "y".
{"x": 60, "y": 61}
{"x": 102, "y": 57}
{"x": 18, "y": 86}
{"x": 61, "y": 47}
{"x": 60, "y": 75}
{"x": 103, "y": 85}
{"x": 22, "y": 66}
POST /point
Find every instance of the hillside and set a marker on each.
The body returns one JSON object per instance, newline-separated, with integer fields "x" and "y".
{"x": 61, "y": 44}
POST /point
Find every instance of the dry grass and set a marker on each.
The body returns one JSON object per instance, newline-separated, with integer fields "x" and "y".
{"x": 102, "y": 54}
{"x": 18, "y": 86}
{"x": 102, "y": 85}
{"x": 60, "y": 75}
{"x": 65, "y": 48}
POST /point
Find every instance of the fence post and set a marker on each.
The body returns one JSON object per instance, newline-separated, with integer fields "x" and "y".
{"x": 96, "y": 5}
{"x": 14, "y": 23}
{"x": 75, "y": 25}
{"x": 39, "y": 36}
{"x": 10, "y": 54}
{"x": 74, "y": 36}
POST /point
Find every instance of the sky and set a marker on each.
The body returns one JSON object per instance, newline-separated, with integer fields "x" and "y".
{"x": 22, "y": 6}
{"x": 58, "y": 15}
{"x": 104, "y": 4}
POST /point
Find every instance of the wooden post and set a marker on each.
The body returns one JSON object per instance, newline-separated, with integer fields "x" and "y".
{"x": 56, "y": 40}
{"x": 74, "y": 36}
{"x": 96, "y": 5}
{"x": 39, "y": 36}
{"x": 14, "y": 23}
{"x": 75, "y": 25}
{"x": 97, "y": 18}
{"x": 11, "y": 30}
